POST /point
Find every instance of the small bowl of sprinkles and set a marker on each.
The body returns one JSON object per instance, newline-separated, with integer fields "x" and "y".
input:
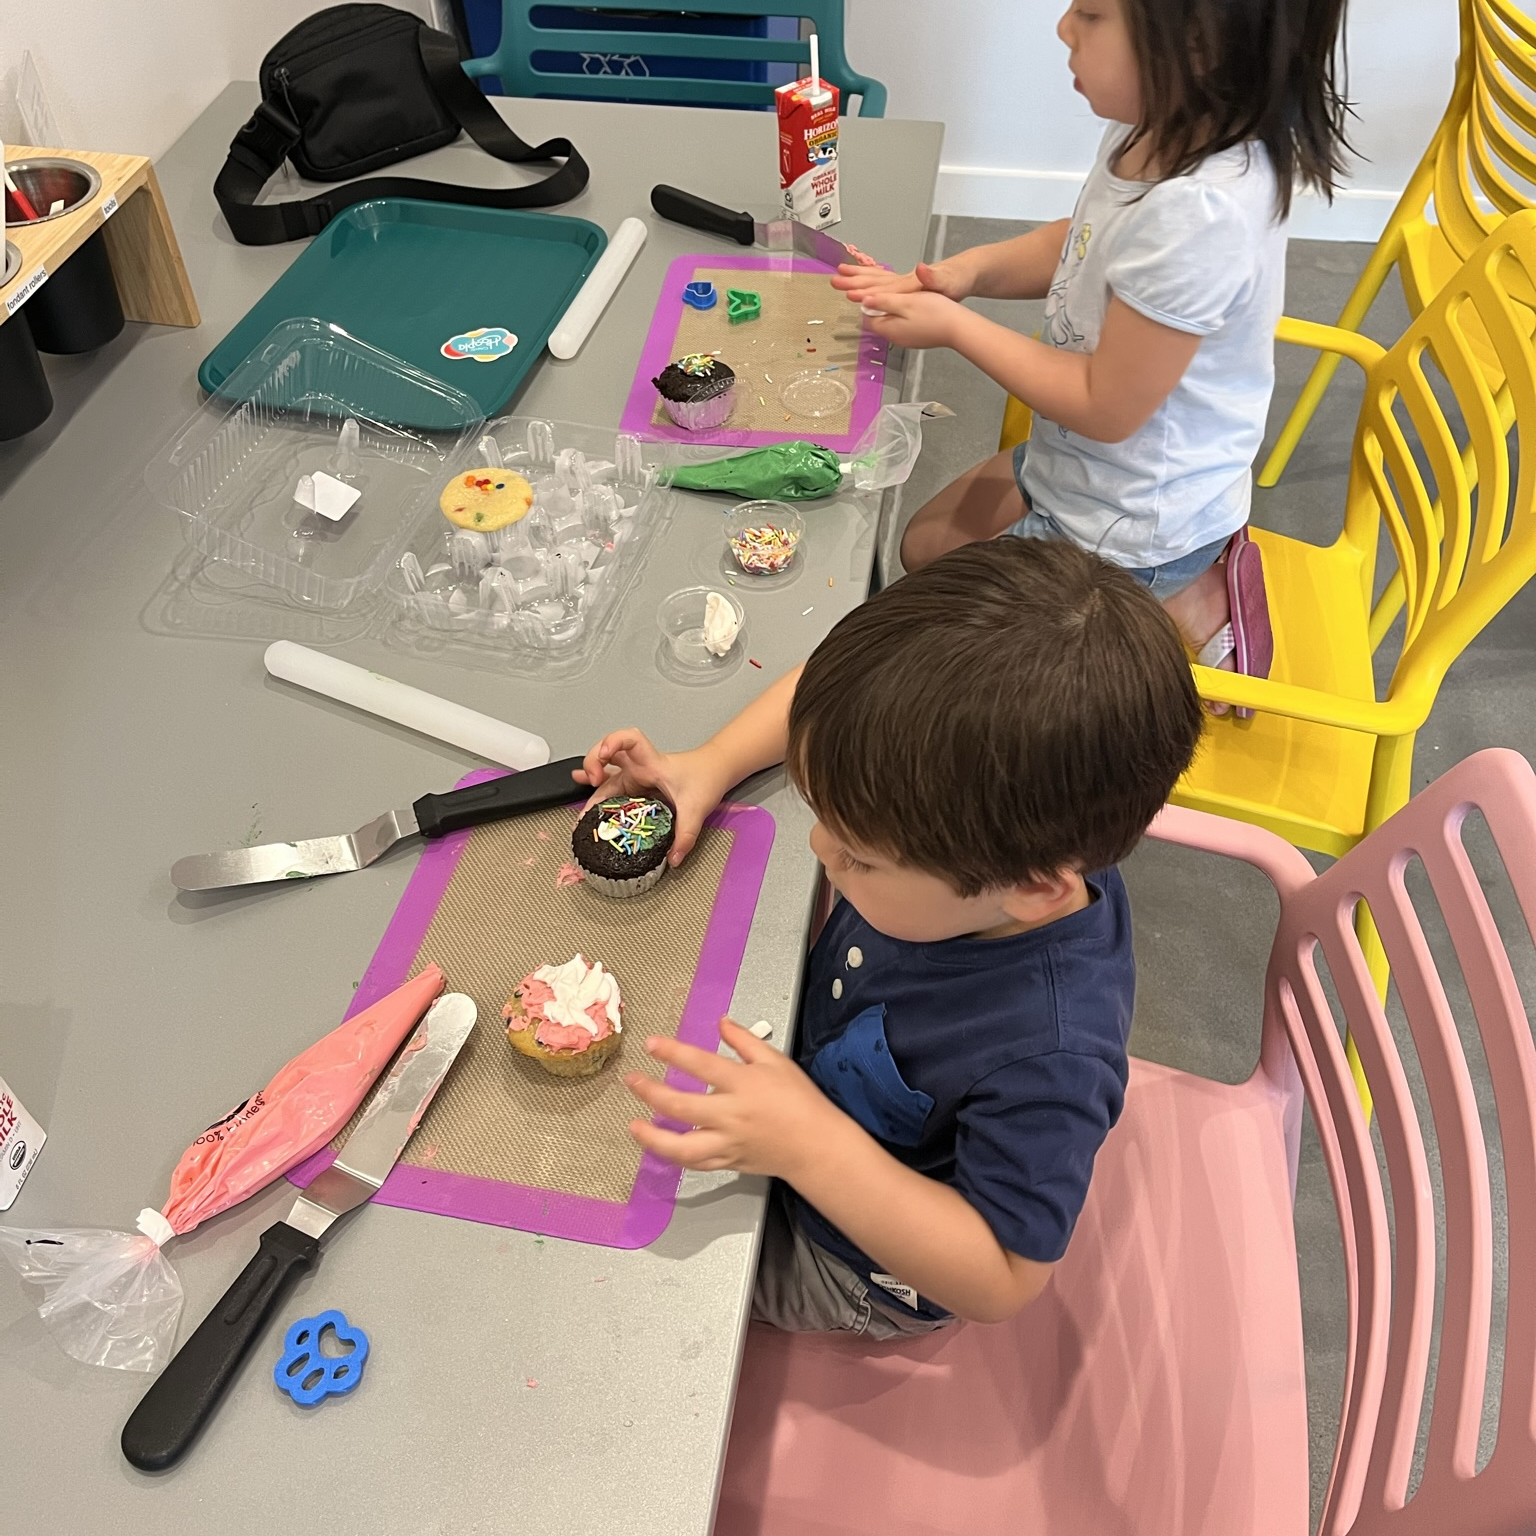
{"x": 762, "y": 537}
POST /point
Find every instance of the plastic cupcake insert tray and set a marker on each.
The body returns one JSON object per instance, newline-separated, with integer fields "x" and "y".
{"x": 539, "y": 596}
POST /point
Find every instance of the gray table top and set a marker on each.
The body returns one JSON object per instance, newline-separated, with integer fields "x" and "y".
{"x": 130, "y": 1017}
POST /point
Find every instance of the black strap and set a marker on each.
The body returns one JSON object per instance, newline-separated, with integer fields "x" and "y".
{"x": 262, "y": 145}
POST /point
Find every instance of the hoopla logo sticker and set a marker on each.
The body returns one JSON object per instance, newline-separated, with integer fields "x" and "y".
{"x": 484, "y": 345}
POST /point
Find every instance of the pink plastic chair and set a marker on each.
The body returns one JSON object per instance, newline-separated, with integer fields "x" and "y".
{"x": 1157, "y": 1386}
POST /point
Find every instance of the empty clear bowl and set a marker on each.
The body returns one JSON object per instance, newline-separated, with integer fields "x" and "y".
{"x": 816, "y": 393}
{"x": 681, "y": 620}
{"x": 762, "y": 536}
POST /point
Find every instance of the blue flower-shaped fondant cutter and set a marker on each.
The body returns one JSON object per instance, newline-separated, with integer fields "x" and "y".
{"x": 700, "y": 295}
{"x": 309, "y": 1376}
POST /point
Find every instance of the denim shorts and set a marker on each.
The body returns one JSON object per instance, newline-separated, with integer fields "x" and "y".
{"x": 1163, "y": 581}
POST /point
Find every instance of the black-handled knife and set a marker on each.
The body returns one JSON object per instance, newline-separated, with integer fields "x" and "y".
{"x": 162, "y": 1428}
{"x": 534, "y": 789}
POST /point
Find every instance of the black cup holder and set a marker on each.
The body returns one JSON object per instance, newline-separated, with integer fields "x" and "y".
{"x": 25, "y": 399}
{"x": 48, "y": 180}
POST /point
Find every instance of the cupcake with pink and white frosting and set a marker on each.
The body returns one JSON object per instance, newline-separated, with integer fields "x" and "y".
{"x": 568, "y": 1018}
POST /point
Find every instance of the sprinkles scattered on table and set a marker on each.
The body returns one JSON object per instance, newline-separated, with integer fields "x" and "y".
{"x": 633, "y": 825}
{"x": 765, "y": 549}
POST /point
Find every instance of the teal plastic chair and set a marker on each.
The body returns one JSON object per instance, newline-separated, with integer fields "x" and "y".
{"x": 522, "y": 40}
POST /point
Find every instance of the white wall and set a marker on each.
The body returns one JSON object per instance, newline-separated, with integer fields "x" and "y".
{"x": 131, "y": 74}
{"x": 1019, "y": 139}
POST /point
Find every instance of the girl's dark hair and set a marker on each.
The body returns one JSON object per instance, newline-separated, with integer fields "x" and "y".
{"x": 1219, "y": 73}
{"x": 1015, "y": 708}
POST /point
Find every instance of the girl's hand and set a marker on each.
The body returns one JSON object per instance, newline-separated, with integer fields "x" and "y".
{"x": 626, "y": 763}
{"x": 914, "y": 320}
{"x": 762, "y": 1114}
{"x": 951, "y": 278}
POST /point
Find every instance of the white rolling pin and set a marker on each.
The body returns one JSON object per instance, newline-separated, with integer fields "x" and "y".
{"x": 410, "y": 707}
{"x": 588, "y": 305}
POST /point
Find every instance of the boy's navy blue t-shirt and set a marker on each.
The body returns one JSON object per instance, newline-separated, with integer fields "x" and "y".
{"x": 997, "y": 1066}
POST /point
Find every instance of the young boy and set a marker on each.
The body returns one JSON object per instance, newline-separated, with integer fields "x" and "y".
{"x": 981, "y": 744}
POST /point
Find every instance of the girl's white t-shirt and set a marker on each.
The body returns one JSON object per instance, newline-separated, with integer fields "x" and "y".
{"x": 1203, "y": 253}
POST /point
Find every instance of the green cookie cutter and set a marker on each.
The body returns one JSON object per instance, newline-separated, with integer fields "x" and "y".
{"x": 743, "y": 304}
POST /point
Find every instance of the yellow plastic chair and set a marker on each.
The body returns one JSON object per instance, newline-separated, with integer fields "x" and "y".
{"x": 1477, "y": 171}
{"x": 1018, "y": 423}
{"x": 1325, "y": 761}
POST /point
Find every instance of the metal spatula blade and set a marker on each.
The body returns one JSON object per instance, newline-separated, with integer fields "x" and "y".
{"x": 535, "y": 789}
{"x": 295, "y": 861}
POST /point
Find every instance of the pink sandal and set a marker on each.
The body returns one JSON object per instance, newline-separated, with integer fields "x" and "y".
{"x": 1247, "y": 638}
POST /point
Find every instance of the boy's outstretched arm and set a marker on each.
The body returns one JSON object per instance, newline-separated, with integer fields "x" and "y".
{"x": 625, "y": 762}
{"x": 763, "y": 1114}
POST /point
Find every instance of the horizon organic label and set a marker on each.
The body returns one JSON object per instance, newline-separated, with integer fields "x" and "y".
{"x": 21, "y": 1139}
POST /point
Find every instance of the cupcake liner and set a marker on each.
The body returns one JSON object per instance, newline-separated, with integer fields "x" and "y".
{"x": 701, "y": 415}
{"x": 622, "y": 890}
{"x": 587, "y": 1063}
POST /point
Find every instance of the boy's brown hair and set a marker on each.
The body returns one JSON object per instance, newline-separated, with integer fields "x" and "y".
{"x": 1015, "y": 708}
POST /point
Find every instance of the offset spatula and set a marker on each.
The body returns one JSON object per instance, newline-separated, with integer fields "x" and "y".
{"x": 778, "y": 235}
{"x": 177, "y": 1406}
{"x": 535, "y": 789}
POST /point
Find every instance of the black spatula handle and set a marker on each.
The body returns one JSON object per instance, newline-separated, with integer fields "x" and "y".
{"x": 710, "y": 218}
{"x": 534, "y": 789}
{"x": 177, "y": 1406}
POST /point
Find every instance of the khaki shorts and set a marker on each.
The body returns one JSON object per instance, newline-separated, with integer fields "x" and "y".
{"x": 804, "y": 1289}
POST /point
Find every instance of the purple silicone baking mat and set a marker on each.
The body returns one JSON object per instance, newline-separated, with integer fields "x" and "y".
{"x": 763, "y": 369}
{"x": 721, "y": 900}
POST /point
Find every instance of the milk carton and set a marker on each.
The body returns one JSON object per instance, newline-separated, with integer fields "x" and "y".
{"x": 21, "y": 1139}
{"x": 808, "y": 150}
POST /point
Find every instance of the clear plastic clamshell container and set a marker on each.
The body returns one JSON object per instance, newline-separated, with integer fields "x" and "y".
{"x": 541, "y": 595}
{"x": 313, "y": 401}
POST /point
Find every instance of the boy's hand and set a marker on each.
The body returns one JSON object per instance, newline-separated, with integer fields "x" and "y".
{"x": 915, "y": 320}
{"x": 867, "y": 285}
{"x": 761, "y": 1115}
{"x": 626, "y": 763}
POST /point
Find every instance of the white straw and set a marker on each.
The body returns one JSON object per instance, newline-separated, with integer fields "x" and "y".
{"x": 815, "y": 61}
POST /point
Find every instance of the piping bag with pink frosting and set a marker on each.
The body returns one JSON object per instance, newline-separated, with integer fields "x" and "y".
{"x": 112, "y": 1298}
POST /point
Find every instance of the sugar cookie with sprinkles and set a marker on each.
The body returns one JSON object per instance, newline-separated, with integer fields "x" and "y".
{"x": 483, "y": 500}
{"x": 621, "y": 845}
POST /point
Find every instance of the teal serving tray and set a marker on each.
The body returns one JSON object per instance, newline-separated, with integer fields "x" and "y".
{"x": 468, "y": 295}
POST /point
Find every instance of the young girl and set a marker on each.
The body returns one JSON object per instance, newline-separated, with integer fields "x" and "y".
{"x": 1152, "y": 375}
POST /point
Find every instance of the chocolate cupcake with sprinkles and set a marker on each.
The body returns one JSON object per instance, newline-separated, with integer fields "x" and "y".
{"x": 698, "y": 391}
{"x": 621, "y": 845}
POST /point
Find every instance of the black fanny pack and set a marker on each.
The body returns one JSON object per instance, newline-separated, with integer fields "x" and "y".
{"x": 357, "y": 87}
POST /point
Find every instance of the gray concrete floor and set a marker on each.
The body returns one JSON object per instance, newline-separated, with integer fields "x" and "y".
{"x": 1204, "y": 927}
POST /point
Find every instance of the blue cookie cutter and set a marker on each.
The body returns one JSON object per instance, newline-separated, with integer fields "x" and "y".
{"x": 700, "y": 296}
{"x": 307, "y": 1375}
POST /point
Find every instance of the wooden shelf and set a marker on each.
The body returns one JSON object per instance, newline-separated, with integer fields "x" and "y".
{"x": 146, "y": 260}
